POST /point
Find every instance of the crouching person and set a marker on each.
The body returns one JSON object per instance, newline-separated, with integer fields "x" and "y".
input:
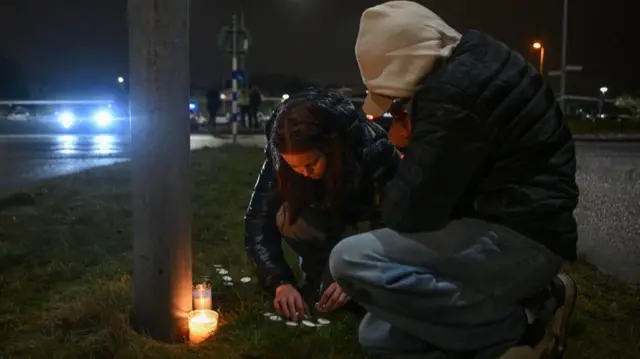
{"x": 479, "y": 214}
{"x": 317, "y": 186}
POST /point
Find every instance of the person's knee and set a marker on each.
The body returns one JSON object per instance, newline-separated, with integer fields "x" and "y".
{"x": 350, "y": 255}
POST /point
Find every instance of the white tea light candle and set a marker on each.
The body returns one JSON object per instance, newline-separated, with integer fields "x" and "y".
{"x": 202, "y": 324}
{"x": 202, "y": 298}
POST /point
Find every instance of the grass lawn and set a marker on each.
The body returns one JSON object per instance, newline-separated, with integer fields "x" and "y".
{"x": 65, "y": 276}
{"x": 603, "y": 126}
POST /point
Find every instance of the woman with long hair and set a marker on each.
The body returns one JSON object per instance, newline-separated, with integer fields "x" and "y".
{"x": 324, "y": 162}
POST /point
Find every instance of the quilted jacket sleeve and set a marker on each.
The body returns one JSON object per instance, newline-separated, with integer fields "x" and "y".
{"x": 447, "y": 147}
{"x": 263, "y": 242}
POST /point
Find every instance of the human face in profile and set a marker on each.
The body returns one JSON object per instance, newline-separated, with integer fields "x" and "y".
{"x": 311, "y": 164}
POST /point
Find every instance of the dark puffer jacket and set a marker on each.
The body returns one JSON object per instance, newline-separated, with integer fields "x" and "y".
{"x": 376, "y": 161}
{"x": 489, "y": 141}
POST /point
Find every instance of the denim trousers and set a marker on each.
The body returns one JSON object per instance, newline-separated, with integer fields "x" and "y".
{"x": 452, "y": 293}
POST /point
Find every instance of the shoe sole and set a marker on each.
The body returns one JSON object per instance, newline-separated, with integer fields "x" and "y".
{"x": 560, "y": 325}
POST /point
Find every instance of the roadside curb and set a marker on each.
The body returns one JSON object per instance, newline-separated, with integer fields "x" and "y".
{"x": 610, "y": 137}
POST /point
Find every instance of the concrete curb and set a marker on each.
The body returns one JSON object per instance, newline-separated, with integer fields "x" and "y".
{"x": 608, "y": 137}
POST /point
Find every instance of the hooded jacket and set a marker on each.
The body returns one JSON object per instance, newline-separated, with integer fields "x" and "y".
{"x": 376, "y": 160}
{"x": 488, "y": 139}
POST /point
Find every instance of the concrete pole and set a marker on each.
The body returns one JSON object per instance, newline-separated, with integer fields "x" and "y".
{"x": 159, "y": 87}
{"x": 563, "y": 69}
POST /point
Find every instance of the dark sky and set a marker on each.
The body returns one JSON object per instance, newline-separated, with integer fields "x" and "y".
{"x": 85, "y": 41}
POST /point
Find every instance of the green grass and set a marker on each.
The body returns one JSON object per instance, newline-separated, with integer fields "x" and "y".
{"x": 65, "y": 276}
{"x": 603, "y": 126}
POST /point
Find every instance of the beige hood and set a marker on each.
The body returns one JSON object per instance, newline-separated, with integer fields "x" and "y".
{"x": 398, "y": 44}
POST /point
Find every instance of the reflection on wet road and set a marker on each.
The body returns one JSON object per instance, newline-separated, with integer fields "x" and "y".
{"x": 63, "y": 146}
{"x": 27, "y": 159}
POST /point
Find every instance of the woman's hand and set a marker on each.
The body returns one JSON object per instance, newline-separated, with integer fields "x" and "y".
{"x": 333, "y": 298}
{"x": 289, "y": 302}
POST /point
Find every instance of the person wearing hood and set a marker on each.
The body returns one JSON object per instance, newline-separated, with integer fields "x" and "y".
{"x": 324, "y": 162}
{"x": 479, "y": 214}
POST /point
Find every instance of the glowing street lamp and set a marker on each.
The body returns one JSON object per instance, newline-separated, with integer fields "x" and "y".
{"x": 285, "y": 97}
{"x": 604, "y": 91}
{"x": 538, "y": 46}
{"x": 120, "y": 80}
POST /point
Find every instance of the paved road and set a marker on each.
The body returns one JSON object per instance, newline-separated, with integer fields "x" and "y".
{"x": 25, "y": 159}
{"x": 609, "y": 210}
{"x": 608, "y": 175}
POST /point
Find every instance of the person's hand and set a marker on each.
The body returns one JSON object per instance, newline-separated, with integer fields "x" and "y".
{"x": 400, "y": 130}
{"x": 333, "y": 298}
{"x": 289, "y": 302}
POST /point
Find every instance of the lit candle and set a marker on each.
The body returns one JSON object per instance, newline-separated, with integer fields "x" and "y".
{"x": 202, "y": 324}
{"x": 202, "y": 296}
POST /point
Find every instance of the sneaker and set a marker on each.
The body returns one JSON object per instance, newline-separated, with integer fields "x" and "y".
{"x": 565, "y": 292}
{"x": 546, "y": 335}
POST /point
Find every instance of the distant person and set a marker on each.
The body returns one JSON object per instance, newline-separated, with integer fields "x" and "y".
{"x": 480, "y": 211}
{"x": 213, "y": 106}
{"x": 255, "y": 100}
{"x": 243, "y": 106}
{"x": 318, "y": 184}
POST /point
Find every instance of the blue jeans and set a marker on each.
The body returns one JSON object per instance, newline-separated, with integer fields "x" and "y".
{"x": 455, "y": 290}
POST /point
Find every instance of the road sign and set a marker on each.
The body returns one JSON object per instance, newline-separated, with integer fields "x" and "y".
{"x": 569, "y": 68}
{"x": 239, "y": 76}
{"x": 225, "y": 40}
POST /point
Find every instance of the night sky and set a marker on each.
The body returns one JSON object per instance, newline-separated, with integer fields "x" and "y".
{"x": 81, "y": 43}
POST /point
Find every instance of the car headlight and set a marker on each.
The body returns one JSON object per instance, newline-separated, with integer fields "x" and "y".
{"x": 66, "y": 119}
{"x": 103, "y": 118}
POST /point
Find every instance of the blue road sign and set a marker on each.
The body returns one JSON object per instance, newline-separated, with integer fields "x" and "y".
{"x": 238, "y": 75}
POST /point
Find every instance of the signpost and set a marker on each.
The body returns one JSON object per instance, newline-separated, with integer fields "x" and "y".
{"x": 242, "y": 43}
{"x": 235, "y": 40}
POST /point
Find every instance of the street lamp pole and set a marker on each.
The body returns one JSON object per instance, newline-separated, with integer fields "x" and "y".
{"x": 234, "y": 80}
{"x": 604, "y": 91}
{"x": 538, "y": 46}
{"x": 121, "y": 82}
{"x": 563, "y": 70}
{"x": 159, "y": 85}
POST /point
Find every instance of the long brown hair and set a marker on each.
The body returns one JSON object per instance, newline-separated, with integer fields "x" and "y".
{"x": 307, "y": 123}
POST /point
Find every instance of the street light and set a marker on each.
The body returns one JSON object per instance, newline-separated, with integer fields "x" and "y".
{"x": 121, "y": 83}
{"x": 285, "y": 97}
{"x": 538, "y": 46}
{"x": 604, "y": 90}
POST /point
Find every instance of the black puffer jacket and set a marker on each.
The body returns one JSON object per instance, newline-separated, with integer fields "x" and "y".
{"x": 377, "y": 160}
{"x": 489, "y": 141}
